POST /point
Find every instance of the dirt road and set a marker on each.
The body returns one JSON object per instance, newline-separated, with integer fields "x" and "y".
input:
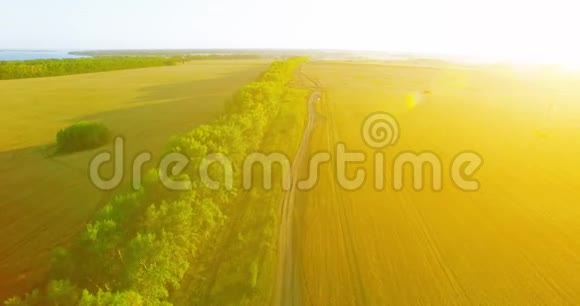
{"x": 287, "y": 290}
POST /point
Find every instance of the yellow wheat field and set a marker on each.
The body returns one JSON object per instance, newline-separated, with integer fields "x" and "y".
{"x": 516, "y": 241}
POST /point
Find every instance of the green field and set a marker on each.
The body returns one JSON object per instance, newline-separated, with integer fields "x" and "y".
{"x": 47, "y": 199}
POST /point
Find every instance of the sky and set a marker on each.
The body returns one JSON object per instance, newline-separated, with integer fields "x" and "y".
{"x": 536, "y": 31}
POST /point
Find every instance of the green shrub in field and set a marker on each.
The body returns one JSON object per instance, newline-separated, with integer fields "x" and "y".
{"x": 82, "y": 136}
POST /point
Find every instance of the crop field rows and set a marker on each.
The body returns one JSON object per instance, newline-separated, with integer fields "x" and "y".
{"x": 511, "y": 242}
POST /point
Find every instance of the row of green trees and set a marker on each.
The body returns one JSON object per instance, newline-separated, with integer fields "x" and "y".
{"x": 242, "y": 268}
{"x": 192, "y": 54}
{"x": 138, "y": 247}
{"x": 58, "y": 67}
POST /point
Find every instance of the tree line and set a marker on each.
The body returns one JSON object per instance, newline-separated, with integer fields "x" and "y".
{"x": 242, "y": 267}
{"x": 192, "y": 54}
{"x": 58, "y": 67}
{"x": 138, "y": 247}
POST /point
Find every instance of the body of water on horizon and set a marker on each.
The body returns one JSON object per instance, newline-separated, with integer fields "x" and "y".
{"x": 24, "y": 55}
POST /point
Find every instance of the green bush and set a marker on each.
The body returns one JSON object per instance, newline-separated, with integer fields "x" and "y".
{"x": 82, "y": 136}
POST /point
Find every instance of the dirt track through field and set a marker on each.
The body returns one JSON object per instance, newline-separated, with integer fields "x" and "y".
{"x": 288, "y": 286}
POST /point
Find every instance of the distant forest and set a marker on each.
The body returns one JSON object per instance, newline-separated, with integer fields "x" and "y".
{"x": 102, "y": 61}
{"x": 56, "y": 67}
{"x": 193, "y": 54}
